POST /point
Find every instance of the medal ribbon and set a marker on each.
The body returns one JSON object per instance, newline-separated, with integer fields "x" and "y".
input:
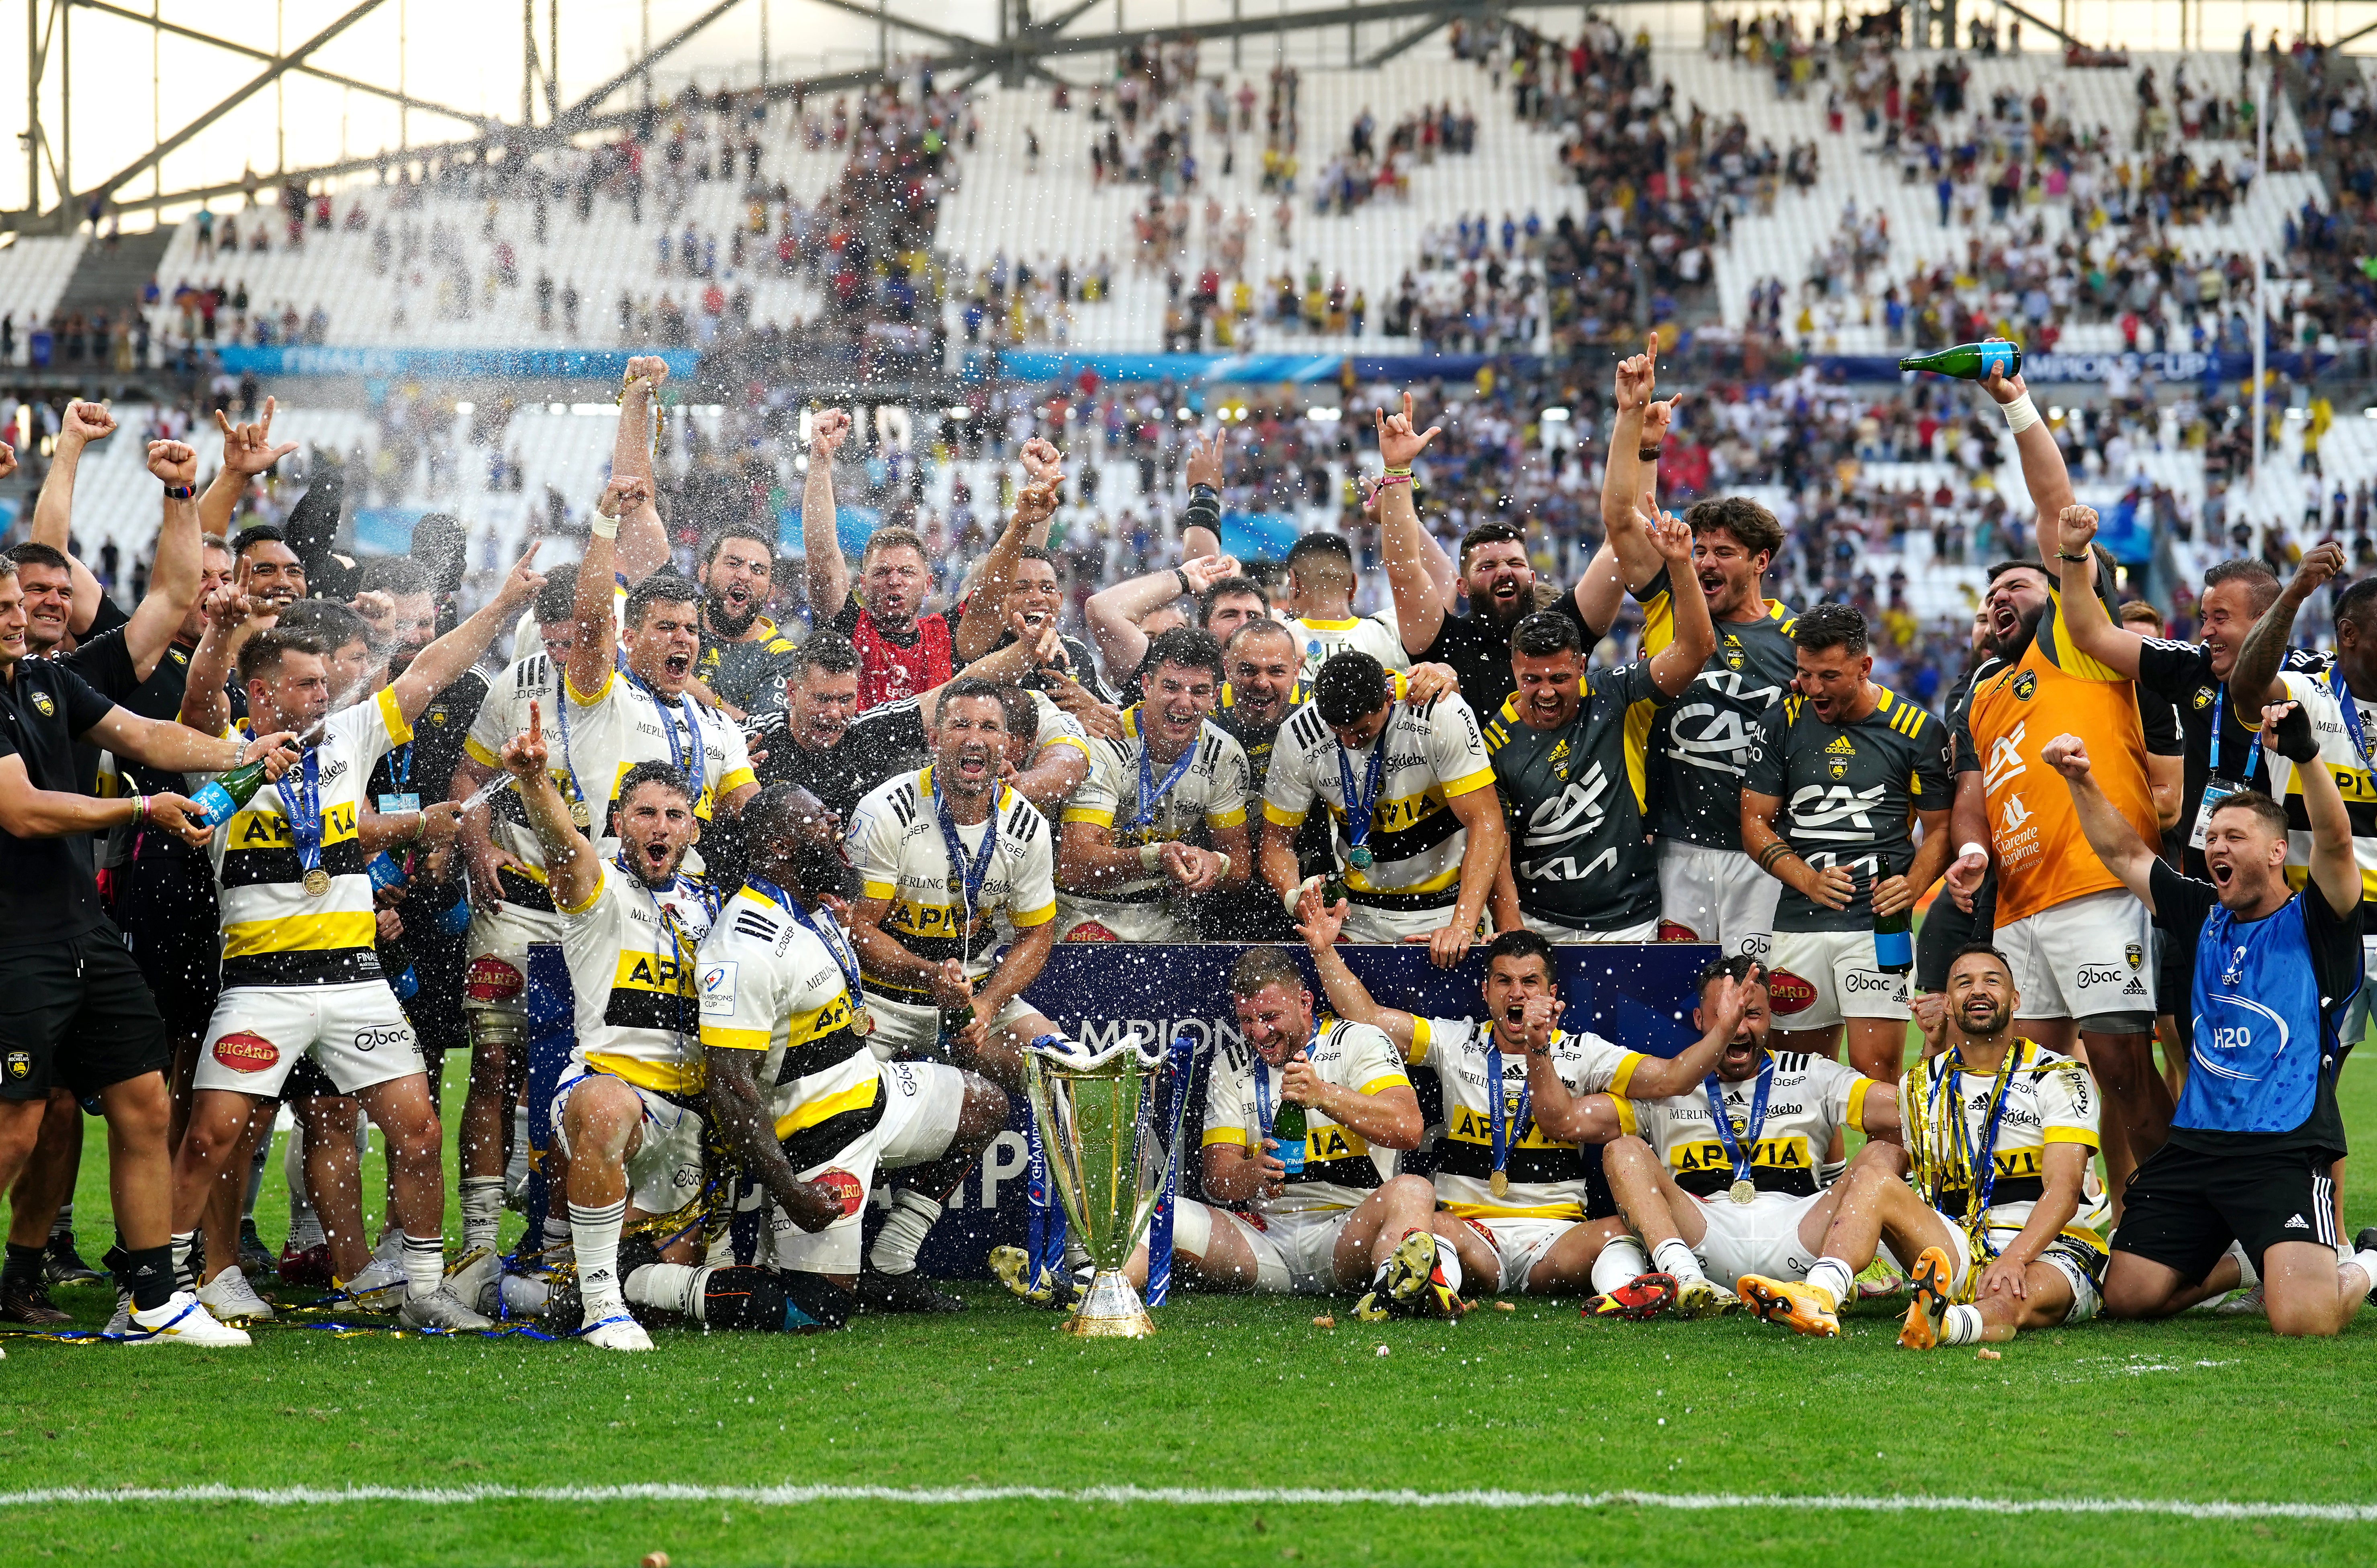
{"x": 1151, "y": 794}
{"x": 561, "y": 714}
{"x": 967, "y": 873}
{"x": 827, "y": 931}
{"x": 1713, "y": 1088}
{"x": 301, "y": 792}
{"x": 1516, "y": 1126}
{"x": 1979, "y": 1165}
{"x": 2220, "y": 717}
{"x": 1357, "y": 811}
{"x": 677, "y": 754}
{"x": 2351, "y": 713}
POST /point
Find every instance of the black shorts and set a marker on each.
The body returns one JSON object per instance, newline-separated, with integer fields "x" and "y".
{"x": 2183, "y": 1207}
{"x": 164, "y": 902}
{"x": 77, "y": 1015}
{"x": 2174, "y": 977}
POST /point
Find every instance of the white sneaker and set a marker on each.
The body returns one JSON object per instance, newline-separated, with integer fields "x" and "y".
{"x": 378, "y": 1287}
{"x": 474, "y": 1279}
{"x": 440, "y": 1310}
{"x": 182, "y": 1321}
{"x": 230, "y": 1297}
{"x": 619, "y": 1332}
{"x": 2251, "y": 1304}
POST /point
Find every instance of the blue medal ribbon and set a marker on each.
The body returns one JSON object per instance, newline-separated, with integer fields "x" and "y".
{"x": 1713, "y": 1088}
{"x": 1981, "y": 1166}
{"x": 301, "y": 792}
{"x": 967, "y": 873}
{"x": 828, "y": 931}
{"x": 1516, "y": 1125}
{"x": 1151, "y": 794}
{"x": 2252, "y": 753}
{"x": 2352, "y": 726}
{"x": 576, "y": 790}
{"x": 1357, "y": 810}
{"x": 685, "y": 710}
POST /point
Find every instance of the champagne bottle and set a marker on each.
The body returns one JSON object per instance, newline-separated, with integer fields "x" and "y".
{"x": 1970, "y": 361}
{"x": 226, "y": 793}
{"x": 1287, "y": 1129}
{"x": 1894, "y": 943}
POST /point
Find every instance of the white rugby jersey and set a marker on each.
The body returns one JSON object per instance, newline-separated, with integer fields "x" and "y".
{"x": 2050, "y": 1100}
{"x": 1210, "y": 796}
{"x": 1341, "y": 1168}
{"x": 1321, "y": 641}
{"x": 1433, "y": 753}
{"x": 596, "y": 739}
{"x": 768, "y": 984}
{"x": 1547, "y": 1179}
{"x": 2347, "y": 764}
{"x": 1811, "y": 1098}
{"x": 504, "y": 714}
{"x": 894, "y": 842}
{"x": 630, "y": 949}
{"x": 274, "y": 932}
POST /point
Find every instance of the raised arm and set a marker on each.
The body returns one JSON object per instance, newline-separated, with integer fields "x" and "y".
{"x": 444, "y": 661}
{"x": 1641, "y": 424}
{"x": 2090, "y": 629}
{"x": 597, "y": 643}
{"x": 1656, "y": 1077}
{"x": 1675, "y": 666}
{"x": 1200, "y": 524}
{"x": 53, "y": 508}
{"x": 2285, "y": 729}
{"x": 2110, "y": 834}
{"x": 2043, "y": 474}
{"x": 1034, "y": 505}
{"x": 820, "y": 544}
{"x": 1113, "y": 614}
{"x": 247, "y": 450}
{"x": 1318, "y": 924}
{"x": 642, "y": 547}
{"x": 174, "y": 577}
{"x": 1423, "y": 581}
{"x": 573, "y": 870}
{"x": 206, "y": 703}
{"x": 2253, "y": 679}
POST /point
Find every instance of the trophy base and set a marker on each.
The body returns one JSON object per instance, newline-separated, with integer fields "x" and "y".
{"x": 1110, "y": 1310}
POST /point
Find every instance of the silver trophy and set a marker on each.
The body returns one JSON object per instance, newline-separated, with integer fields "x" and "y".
{"x": 1096, "y": 1115}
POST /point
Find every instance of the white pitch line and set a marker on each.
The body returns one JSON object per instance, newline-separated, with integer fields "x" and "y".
{"x": 1185, "y": 1497}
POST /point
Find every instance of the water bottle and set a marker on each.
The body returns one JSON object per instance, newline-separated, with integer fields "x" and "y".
{"x": 1289, "y": 1129}
{"x": 226, "y": 793}
{"x": 1970, "y": 361}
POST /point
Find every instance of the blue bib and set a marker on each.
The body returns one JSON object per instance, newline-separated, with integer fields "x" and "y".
{"x": 2262, "y": 1038}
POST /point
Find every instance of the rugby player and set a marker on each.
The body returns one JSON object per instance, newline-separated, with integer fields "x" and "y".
{"x": 1260, "y": 659}
{"x": 1837, "y": 776}
{"x": 1727, "y": 1178}
{"x": 627, "y": 1116}
{"x": 1162, "y": 817}
{"x": 1318, "y": 607}
{"x": 746, "y": 658}
{"x": 1572, "y": 786}
{"x": 301, "y": 973}
{"x": 1511, "y": 1186}
{"x": 793, "y": 1087}
{"x": 2256, "y": 1134}
{"x": 946, "y": 857}
{"x": 1420, "y": 839}
{"x": 2004, "y": 1218}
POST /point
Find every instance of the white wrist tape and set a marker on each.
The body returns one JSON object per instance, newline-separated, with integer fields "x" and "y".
{"x": 604, "y": 527}
{"x": 2021, "y": 413}
{"x": 1289, "y": 899}
{"x": 1972, "y": 849}
{"x": 1150, "y": 855}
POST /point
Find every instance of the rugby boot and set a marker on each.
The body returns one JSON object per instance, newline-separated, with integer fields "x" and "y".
{"x": 25, "y": 1300}
{"x": 1791, "y": 1304}
{"x": 309, "y": 1267}
{"x": 617, "y": 1331}
{"x": 1052, "y": 1288}
{"x": 474, "y": 1279}
{"x": 1705, "y": 1299}
{"x": 909, "y": 1292}
{"x": 1877, "y": 1280}
{"x": 1645, "y": 1296}
{"x": 379, "y": 1287}
{"x": 64, "y": 1265}
{"x": 1927, "y": 1316}
{"x": 231, "y": 1299}
{"x": 254, "y": 1257}
{"x": 440, "y": 1310}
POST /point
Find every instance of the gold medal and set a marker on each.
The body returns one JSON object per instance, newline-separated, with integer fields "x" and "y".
{"x": 1501, "y": 1183}
{"x": 1743, "y": 1191}
{"x": 580, "y": 814}
{"x": 317, "y": 882}
{"x": 862, "y": 1023}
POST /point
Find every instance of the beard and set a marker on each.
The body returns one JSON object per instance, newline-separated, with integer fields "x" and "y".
{"x": 730, "y": 625}
{"x": 823, "y": 869}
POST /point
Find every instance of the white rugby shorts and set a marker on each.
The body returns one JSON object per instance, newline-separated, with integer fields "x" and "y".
{"x": 1365, "y": 922}
{"x": 922, "y": 1102}
{"x": 1761, "y": 1237}
{"x": 1837, "y": 978}
{"x": 665, "y": 1172}
{"x": 1518, "y": 1244}
{"x": 1295, "y": 1254}
{"x": 1715, "y": 895}
{"x": 2082, "y": 1266}
{"x": 2083, "y": 959}
{"x": 357, "y": 1033}
{"x": 905, "y": 1029}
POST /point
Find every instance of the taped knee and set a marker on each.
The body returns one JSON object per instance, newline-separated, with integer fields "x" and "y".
{"x": 495, "y": 1031}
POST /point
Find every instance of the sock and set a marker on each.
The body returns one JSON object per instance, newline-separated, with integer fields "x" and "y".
{"x": 24, "y": 1265}
{"x": 595, "y": 1234}
{"x": 255, "y": 1178}
{"x": 482, "y": 1210}
{"x": 425, "y": 1262}
{"x": 62, "y": 1227}
{"x": 894, "y": 1252}
{"x": 2366, "y": 1260}
{"x": 1620, "y": 1261}
{"x": 1963, "y": 1327}
{"x": 148, "y": 1273}
{"x": 1676, "y": 1258}
{"x": 556, "y": 1234}
{"x": 1829, "y": 1172}
{"x": 183, "y": 1259}
{"x": 1834, "y": 1278}
{"x": 673, "y": 1288}
{"x": 2247, "y": 1275}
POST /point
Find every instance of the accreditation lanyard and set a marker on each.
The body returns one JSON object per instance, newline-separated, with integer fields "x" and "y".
{"x": 828, "y": 931}
{"x": 1151, "y": 794}
{"x": 966, "y": 873}
{"x": 1980, "y": 1162}
{"x": 1739, "y": 1155}
{"x": 687, "y": 757}
{"x": 301, "y": 792}
{"x": 2220, "y": 718}
{"x": 1358, "y": 809}
{"x": 2351, "y": 714}
{"x": 1508, "y": 1124}
{"x": 581, "y": 809}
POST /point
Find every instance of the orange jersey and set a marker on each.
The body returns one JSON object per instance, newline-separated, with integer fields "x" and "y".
{"x": 2042, "y": 855}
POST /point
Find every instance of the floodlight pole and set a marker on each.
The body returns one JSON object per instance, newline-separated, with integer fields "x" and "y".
{"x": 2261, "y": 276}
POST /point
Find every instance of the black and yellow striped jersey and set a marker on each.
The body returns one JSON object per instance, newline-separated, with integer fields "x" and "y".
{"x": 630, "y": 949}
{"x": 895, "y": 844}
{"x": 1341, "y": 1168}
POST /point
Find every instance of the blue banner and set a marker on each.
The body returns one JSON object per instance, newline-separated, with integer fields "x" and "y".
{"x": 504, "y": 365}
{"x": 1638, "y": 996}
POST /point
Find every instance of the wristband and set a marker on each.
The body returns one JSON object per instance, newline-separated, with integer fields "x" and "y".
{"x": 1973, "y": 847}
{"x": 1389, "y": 481}
{"x": 1646, "y": 454}
{"x": 1404, "y": 472}
{"x": 1225, "y": 872}
{"x": 181, "y": 492}
{"x": 2075, "y": 560}
{"x": 1289, "y": 899}
{"x": 1150, "y": 857}
{"x": 139, "y": 809}
{"x": 2021, "y": 413}
{"x": 604, "y": 527}
{"x": 1182, "y": 578}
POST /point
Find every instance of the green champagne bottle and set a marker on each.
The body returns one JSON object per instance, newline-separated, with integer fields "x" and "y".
{"x": 1970, "y": 361}
{"x": 1289, "y": 1129}
{"x": 226, "y": 793}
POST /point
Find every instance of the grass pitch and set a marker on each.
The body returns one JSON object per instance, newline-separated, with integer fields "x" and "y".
{"x": 501, "y": 1451}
